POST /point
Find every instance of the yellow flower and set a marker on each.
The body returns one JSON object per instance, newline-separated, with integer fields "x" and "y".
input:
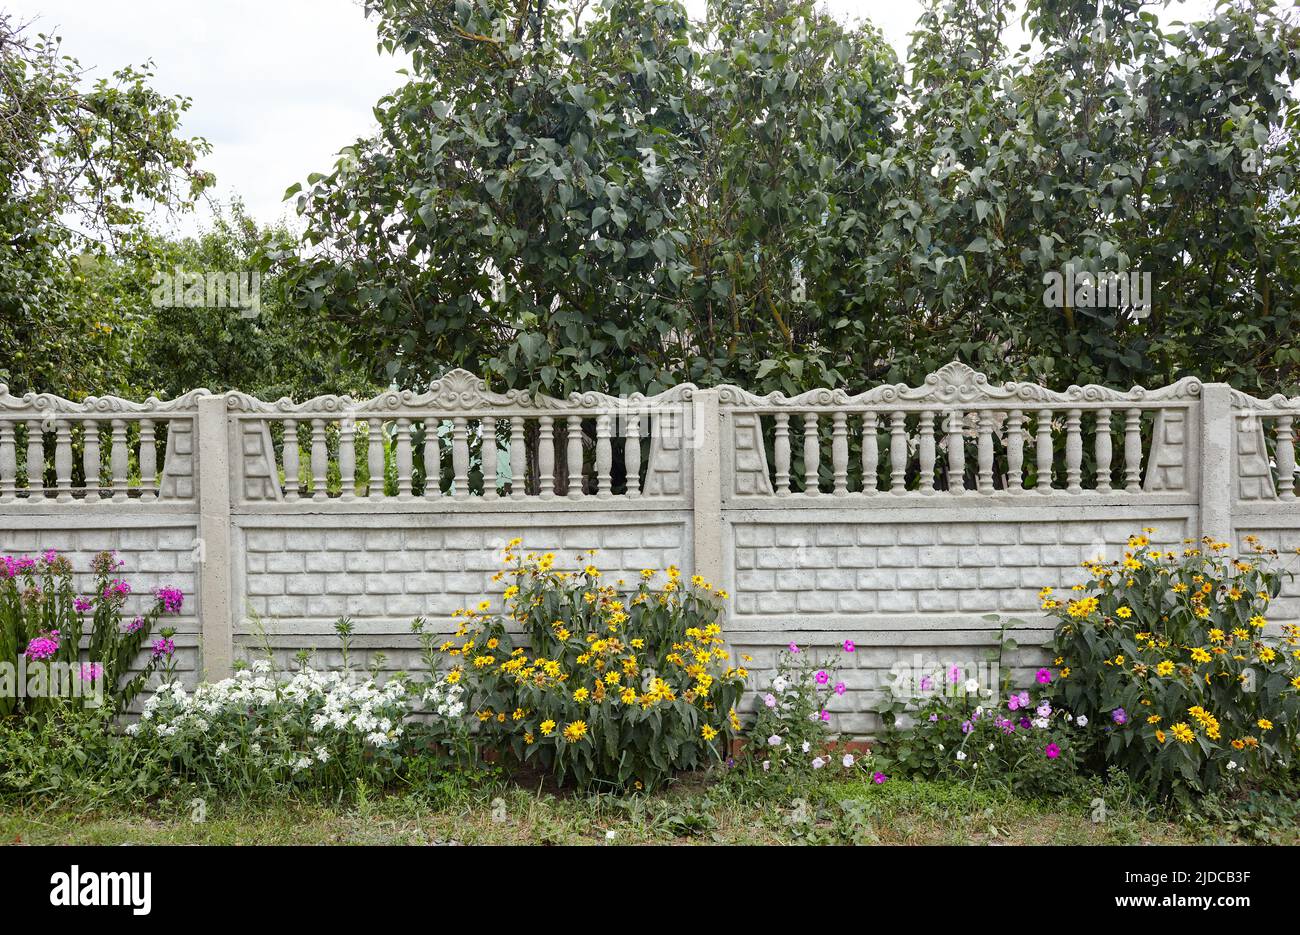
{"x": 1124, "y": 612}
{"x": 1199, "y": 654}
{"x": 1257, "y": 621}
{"x": 548, "y": 726}
{"x": 1264, "y": 724}
{"x": 580, "y": 694}
{"x": 1160, "y": 736}
{"x": 575, "y": 731}
{"x": 707, "y": 732}
{"x": 1164, "y": 667}
{"x": 1182, "y": 733}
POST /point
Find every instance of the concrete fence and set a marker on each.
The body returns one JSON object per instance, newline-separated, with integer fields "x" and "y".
{"x": 902, "y": 518}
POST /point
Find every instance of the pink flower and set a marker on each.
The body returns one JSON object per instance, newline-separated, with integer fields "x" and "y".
{"x": 822, "y": 677}
{"x": 134, "y": 626}
{"x": 43, "y": 647}
{"x": 163, "y": 646}
{"x": 50, "y": 556}
{"x": 1052, "y": 751}
{"x": 954, "y": 675}
{"x": 840, "y": 688}
{"x": 879, "y": 778}
{"x": 1044, "y": 677}
{"x": 794, "y": 648}
{"x": 770, "y": 700}
{"x": 81, "y": 604}
{"x": 826, "y": 716}
{"x": 850, "y": 646}
{"x": 91, "y": 671}
{"x": 171, "y": 598}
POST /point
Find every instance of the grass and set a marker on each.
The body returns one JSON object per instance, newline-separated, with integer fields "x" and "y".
{"x": 736, "y": 810}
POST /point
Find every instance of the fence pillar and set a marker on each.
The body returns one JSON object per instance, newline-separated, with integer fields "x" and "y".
{"x": 706, "y": 480}
{"x": 1217, "y": 455}
{"x": 212, "y": 446}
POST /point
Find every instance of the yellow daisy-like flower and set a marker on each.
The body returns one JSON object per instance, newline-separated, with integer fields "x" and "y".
{"x": 1160, "y": 736}
{"x": 1164, "y": 667}
{"x": 1200, "y": 655}
{"x": 707, "y": 732}
{"x": 580, "y": 694}
{"x": 1124, "y": 612}
{"x": 1257, "y": 621}
{"x": 1182, "y": 733}
{"x": 548, "y": 727}
{"x": 575, "y": 731}
{"x": 1264, "y": 724}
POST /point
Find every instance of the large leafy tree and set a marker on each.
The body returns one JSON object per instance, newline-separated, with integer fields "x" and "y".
{"x": 625, "y": 199}
{"x": 82, "y": 164}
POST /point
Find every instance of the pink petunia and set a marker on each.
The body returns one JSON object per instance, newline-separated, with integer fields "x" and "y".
{"x": 1052, "y": 751}
{"x": 1044, "y": 677}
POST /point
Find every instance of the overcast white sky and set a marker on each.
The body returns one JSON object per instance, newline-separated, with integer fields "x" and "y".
{"x": 279, "y": 86}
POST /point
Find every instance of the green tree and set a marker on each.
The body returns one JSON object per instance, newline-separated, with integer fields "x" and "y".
{"x": 624, "y": 199}
{"x": 81, "y": 166}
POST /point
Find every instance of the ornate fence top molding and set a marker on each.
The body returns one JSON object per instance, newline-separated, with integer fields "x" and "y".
{"x": 957, "y": 384}
{"x": 461, "y": 392}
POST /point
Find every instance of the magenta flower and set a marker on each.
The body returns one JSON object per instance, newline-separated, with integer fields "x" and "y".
{"x": 850, "y": 646}
{"x": 1013, "y": 702}
{"x": 1044, "y": 677}
{"x": 840, "y": 688}
{"x": 926, "y": 684}
{"x": 822, "y": 677}
{"x": 50, "y": 556}
{"x": 117, "y": 589}
{"x": 171, "y": 598}
{"x": 879, "y": 778}
{"x": 91, "y": 671}
{"x": 134, "y": 626}
{"x": 81, "y": 605}
{"x": 1052, "y": 751}
{"x": 954, "y": 675}
{"x": 826, "y": 716}
{"x": 43, "y": 647}
{"x": 163, "y": 646}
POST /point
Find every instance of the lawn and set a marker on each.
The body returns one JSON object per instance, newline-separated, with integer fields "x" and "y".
{"x": 726, "y": 812}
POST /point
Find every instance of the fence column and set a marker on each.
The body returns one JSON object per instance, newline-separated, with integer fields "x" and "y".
{"x": 706, "y": 494}
{"x": 212, "y": 446}
{"x": 1217, "y": 455}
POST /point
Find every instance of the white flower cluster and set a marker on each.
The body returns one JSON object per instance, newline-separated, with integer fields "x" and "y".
{"x": 336, "y": 701}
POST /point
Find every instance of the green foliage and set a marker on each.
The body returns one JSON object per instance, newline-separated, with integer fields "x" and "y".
{"x": 629, "y": 199}
{"x": 596, "y": 685}
{"x": 80, "y": 166}
{"x": 75, "y": 754}
{"x": 1165, "y": 652}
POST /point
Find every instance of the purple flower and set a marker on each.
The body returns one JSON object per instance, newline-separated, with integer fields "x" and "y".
{"x": 171, "y": 598}
{"x": 91, "y": 671}
{"x": 934, "y": 717}
{"x": 134, "y": 626}
{"x": 163, "y": 646}
{"x": 1119, "y": 716}
{"x": 81, "y": 605}
{"x": 954, "y": 675}
{"x": 43, "y": 647}
{"x": 822, "y": 677}
{"x": 117, "y": 590}
{"x": 840, "y": 688}
{"x": 850, "y": 646}
{"x": 1052, "y": 751}
{"x": 794, "y": 647}
{"x": 879, "y": 778}
{"x": 967, "y": 727}
{"x": 826, "y": 716}
{"x": 1044, "y": 677}
{"x": 770, "y": 700}
{"x": 926, "y": 684}
{"x": 50, "y": 556}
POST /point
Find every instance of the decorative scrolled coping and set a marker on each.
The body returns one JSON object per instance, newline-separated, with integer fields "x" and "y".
{"x": 1275, "y": 403}
{"x": 45, "y": 404}
{"x": 956, "y": 384}
{"x": 457, "y": 392}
